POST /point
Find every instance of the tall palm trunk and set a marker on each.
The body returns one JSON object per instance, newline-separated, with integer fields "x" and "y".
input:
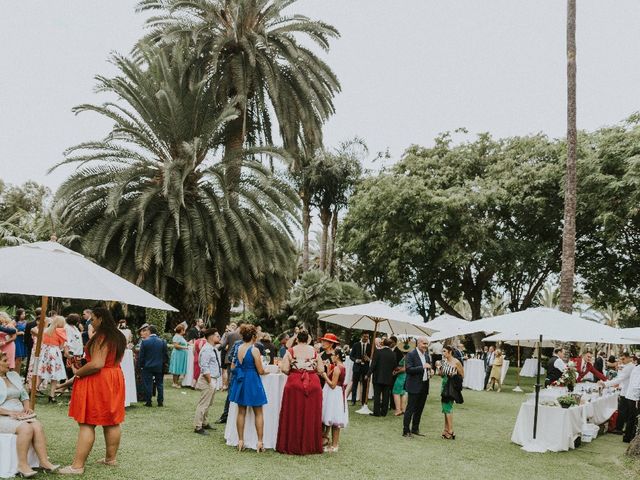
{"x": 233, "y": 155}
{"x": 325, "y": 219}
{"x": 306, "y": 225}
{"x": 222, "y": 313}
{"x": 569, "y": 230}
{"x": 331, "y": 267}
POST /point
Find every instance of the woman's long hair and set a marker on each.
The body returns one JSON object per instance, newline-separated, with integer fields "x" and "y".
{"x": 56, "y": 322}
{"x": 107, "y": 332}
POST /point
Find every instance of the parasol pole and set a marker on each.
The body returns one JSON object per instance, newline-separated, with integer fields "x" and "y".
{"x": 535, "y": 413}
{"x": 364, "y": 410}
{"x": 36, "y": 358}
{"x": 518, "y": 389}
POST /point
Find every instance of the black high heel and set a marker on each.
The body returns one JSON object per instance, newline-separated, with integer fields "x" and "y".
{"x": 51, "y": 399}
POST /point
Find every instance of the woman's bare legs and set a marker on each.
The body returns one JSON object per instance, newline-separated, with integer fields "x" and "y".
{"x": 84, "y": 444}
{"x": 40, "y": 444}
{"x": 259, "y": 422}
{"x": 335, "y": 436}
{"x": 24, "y": 435}
{"x": 242, "y": 413}
{"x": 112, "y": 436}
{"x": 54, "y": 385}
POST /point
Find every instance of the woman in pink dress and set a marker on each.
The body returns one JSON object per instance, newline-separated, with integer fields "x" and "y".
{"x": 7, "y": 340}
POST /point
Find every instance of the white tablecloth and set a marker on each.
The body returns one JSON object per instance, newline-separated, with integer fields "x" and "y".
{"x": 131, "y": 392}
{"x": 9, "y": 456}
{"x": 274, "y": 387}
{"x": 187, "y": 381}
{"x": 505, "y": 369}
{"x": 530, "y": 368}
{"x": 559, "y": 427}
{"x": 474, "y": 373}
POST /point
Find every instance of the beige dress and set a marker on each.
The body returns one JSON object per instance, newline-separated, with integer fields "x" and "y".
{"x": 496, "y": 370}
{"x": 13, "y": 402}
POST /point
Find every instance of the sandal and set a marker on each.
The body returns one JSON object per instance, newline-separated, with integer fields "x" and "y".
{"x": 240, "y": 445}
{"x": 260, "y": 447}
{"x": 69, "y": 470}
{"x": 109, "y": 463}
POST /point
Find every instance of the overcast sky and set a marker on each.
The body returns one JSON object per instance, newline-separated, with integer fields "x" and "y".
{"x": 409, "y": 70}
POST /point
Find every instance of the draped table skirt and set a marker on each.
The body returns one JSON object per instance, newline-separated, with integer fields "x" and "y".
{"x": 530, "y": 368}
{"x": 9, "y": 456}
{"x": 474, "y": 374}
{"x": 188, "y": 380}
{"x": 274, "y": 387}
{"x": 128, "y": 369}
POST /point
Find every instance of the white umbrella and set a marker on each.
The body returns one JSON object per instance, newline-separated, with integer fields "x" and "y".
{"x": 376, "y": 316}
{"x": 446, "y": 322}
{"x": 631, "y": 334}
{"x": 47, "y": 269}
{"x": 51, "y": 270}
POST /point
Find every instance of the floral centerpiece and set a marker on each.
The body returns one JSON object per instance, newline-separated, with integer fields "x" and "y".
{"x": 568, "y": 378}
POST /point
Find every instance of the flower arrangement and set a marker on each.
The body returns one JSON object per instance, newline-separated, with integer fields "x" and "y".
{"x": 569, "y": 377}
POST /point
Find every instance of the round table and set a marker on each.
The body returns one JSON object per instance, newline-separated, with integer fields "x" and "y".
{"x": 530, "y": 368}
{"x": 274, "y": 387}
{"x": 474, "y": 374}
{"x": 131, "y": 392}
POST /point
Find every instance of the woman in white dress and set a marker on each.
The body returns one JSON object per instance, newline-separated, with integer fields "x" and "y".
{"x": 17, "y": 417}
{"x": 51, "y": 368}
{"x": 335, "y": 413}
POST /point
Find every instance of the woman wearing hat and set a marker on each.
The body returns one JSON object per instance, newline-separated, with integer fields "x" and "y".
{"x": 400, "y": 397}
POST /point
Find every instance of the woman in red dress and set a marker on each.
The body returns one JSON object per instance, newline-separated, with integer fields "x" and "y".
{"x": 300, "y": 428}
{"x": 98, "y": 392}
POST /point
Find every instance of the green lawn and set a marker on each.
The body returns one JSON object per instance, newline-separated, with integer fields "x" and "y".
{"x": 159, "y": 444}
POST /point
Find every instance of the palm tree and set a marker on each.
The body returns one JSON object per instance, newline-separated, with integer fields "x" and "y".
{"x": 549, "y": 296}
{"x": 152, "y": 201}
{"x": 569, "y": 230}
{"x": 251, "y": 49}
{"x": 333, "y": 176}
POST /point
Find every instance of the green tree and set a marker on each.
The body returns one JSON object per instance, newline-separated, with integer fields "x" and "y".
{"x": 151, "y": 200}
{"x": 465, "y": 221}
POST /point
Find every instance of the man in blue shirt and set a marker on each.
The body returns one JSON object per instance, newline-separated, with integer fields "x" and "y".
{"x": 151, "y": 360}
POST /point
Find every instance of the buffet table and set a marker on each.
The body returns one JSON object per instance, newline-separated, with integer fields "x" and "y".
{"x": 274, "y": 387}
{"x": 559, "y": 427}
{"x": 128, "y": 369}
{"x": 530, "y": 368}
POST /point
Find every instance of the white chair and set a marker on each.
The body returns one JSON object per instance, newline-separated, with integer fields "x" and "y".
{"x": 9, "y": 456}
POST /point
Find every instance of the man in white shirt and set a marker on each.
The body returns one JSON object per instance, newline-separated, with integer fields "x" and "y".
{"x": 489, "y": 357}
{"x": 621, "y": 381}
{"x": 210, "y": 371}
{"x": 632, "y": 397}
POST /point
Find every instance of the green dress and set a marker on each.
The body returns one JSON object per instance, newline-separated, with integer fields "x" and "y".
{"x": 398, "y": 386}
{"x": 178, "y": 363}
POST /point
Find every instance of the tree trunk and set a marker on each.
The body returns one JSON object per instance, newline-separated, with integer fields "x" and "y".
{"x": 569, "y": 230}
{"x": 222, "y": 314}
{"x": 185, "y": 302}
{"x": 332, "y": 247}
{"x": 233, "y": 155}
{"x": 306, "y": 225}
{"x": 325, "y": 219}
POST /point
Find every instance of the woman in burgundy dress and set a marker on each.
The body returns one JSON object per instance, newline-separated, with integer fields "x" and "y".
{"x": 300, "y": 428}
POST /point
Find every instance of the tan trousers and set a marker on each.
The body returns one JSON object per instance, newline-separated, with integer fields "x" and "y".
{"x": 206, "y": 399}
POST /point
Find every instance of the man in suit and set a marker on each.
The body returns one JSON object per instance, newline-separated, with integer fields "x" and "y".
{"x": 152, "y": 357}
{"x": 360, "y": 357}
{"x": 418, "y": 369}
{"x": 585, "y": 369}
{"x": 600, "y": 361}
{"x": 382, "y": 367}
{"x": 227, "y": 346}
{"x": 489, "y": 357}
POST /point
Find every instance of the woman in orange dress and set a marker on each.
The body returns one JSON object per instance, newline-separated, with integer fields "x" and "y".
{"x": 98, "y": 392}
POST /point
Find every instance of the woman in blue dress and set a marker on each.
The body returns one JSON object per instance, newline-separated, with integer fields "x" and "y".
{"x": 21, "y": 349}
{"x": 247, "y": 389}
{"x": 179, "y": 356}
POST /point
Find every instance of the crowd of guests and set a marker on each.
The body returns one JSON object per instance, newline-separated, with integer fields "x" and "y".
{"x": 81, "y": 354}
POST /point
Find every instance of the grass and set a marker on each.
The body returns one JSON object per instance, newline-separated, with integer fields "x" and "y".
{"x": 160, "y": 444}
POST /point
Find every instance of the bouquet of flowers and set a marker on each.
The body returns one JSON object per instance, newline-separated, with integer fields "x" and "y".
{"x": 569, "y": 377}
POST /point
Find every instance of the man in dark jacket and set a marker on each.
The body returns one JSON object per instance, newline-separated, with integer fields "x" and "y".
{"x": 360, "y": 357}
{"x": 418, "y": 369}
{"x": 151, "y": 359}
{"x": 382, "y": 366}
